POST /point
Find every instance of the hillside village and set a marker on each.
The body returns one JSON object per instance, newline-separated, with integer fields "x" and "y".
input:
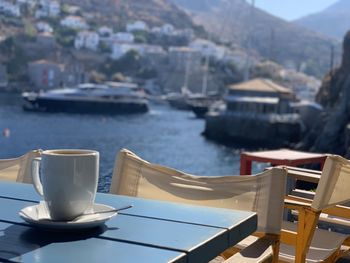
{"x": 47, "y": 44}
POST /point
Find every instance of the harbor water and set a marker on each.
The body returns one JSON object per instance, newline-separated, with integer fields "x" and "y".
{"x": 163, "y": 135}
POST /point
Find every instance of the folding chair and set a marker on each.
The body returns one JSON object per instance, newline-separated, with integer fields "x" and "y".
{"x": 262, "y": 193}
{"x": 18, "y": 169}
{"x": 302, "y": 241}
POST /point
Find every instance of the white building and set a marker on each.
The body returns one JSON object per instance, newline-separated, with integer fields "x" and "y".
{"x": 167, "y": 29}
{"x": 208, "y": 48}
{"x": 43, "y": 27}
{"x": 105, "y": 31}
{"x": 136, "y": 26}
{"x": 54, "y": 9}
{"x": 9, "y": 8}
{"x": 124, "y": 37}
{"x": 87, "y": 39}
{"x": 74, "y": 22}
{"x": 48, "y": 8}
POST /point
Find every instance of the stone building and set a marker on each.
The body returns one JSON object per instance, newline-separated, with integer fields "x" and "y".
{"x": 44, "y": 75}
{"x": 46, "y": 40}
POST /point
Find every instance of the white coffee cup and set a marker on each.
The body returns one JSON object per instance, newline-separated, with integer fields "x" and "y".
{"x": 67, "y": 179}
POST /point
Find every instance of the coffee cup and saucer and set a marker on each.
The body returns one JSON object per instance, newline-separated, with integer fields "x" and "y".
{"x": 67, "y": 180}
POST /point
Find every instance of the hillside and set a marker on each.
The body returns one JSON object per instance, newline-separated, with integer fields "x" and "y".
{"x": 118, "y": 12}
{"x": 333, "y": 21}
{"x": 272, "y": 37}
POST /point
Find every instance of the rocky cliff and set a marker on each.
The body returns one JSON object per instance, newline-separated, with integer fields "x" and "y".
{"x": 329, "y": 132}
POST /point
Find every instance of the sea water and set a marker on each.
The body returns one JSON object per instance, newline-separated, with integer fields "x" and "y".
{"x": 163, "y": 135}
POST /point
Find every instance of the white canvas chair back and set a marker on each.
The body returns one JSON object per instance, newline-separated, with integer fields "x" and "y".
{"x": 334, "y": 184}
{"x": 18, "y": 169}
{"x": 263, "y": 193}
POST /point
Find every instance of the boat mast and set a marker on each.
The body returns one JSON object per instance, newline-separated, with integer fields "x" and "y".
{"x": 205, "y": 75}
{"x": 249, "y": 42}
{"x": 184, "y": 88}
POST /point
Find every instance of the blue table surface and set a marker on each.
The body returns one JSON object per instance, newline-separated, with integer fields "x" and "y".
{"x": 150, "y": 231}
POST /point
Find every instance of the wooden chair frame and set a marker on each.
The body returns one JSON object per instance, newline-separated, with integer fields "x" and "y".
{"x": 308, "y": 218}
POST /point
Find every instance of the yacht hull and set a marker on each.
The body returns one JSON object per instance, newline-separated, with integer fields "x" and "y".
{"x": 85, "y": 106}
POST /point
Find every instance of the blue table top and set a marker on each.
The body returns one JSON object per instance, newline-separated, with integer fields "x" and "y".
{"x": 150, "y": 231}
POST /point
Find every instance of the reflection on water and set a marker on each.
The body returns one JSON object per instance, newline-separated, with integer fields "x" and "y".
{"x": 163, "y": 136}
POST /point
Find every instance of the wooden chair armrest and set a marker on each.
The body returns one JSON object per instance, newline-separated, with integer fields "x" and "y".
{"x": 307, "y": 175}
{"x": 260, "y": 251}
{"x": 339, "y": 210}
{"x": 297, "y": 203}
{"x": 310, "y": 195}
{"x": 297, "y": 199}
{"x": 311, "y": 171}
{"x": 304, "y": 176}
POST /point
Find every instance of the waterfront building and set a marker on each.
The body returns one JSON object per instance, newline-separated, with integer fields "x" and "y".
{"x": 44, "y": 75}
{"x": 258, "y": 113}
{"x": 259, "y": 96}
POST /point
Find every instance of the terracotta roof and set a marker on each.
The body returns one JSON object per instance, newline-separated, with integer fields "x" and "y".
{"x": 43, "y": 61}
{"x": 259, "y": 84}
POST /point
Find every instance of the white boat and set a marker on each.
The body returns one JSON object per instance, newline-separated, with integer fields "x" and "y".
{"x": 110, "y": 98}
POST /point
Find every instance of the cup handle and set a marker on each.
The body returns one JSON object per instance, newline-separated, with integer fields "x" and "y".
{"x": 35, "y": 175}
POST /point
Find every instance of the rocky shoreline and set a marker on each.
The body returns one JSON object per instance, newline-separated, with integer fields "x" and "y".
{"x": 331, "y": 132}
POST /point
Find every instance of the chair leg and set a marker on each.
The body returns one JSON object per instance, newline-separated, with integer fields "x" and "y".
{"x": 275, "y": 251}
{"x": 307, "y": 221}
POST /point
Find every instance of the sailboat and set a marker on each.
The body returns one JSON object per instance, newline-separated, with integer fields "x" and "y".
{"x": 201, "y": 102}
{"x": 179, "y": 100}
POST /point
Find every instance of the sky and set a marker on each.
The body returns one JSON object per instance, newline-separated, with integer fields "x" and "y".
{"x": 292, "y": 9}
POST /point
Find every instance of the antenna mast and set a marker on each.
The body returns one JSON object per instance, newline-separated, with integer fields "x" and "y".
{"x": 249, "y": 42}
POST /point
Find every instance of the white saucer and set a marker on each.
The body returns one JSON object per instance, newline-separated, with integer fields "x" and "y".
{"x": 30, "y": 214}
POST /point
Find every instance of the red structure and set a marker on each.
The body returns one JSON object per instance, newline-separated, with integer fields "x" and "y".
{"x": 279, "y": 157}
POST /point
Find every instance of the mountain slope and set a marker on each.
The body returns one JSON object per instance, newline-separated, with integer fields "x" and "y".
{"x": 272, "y": 37}
{"x": 154, "y": 12}
{"x": 333, "y": 21}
